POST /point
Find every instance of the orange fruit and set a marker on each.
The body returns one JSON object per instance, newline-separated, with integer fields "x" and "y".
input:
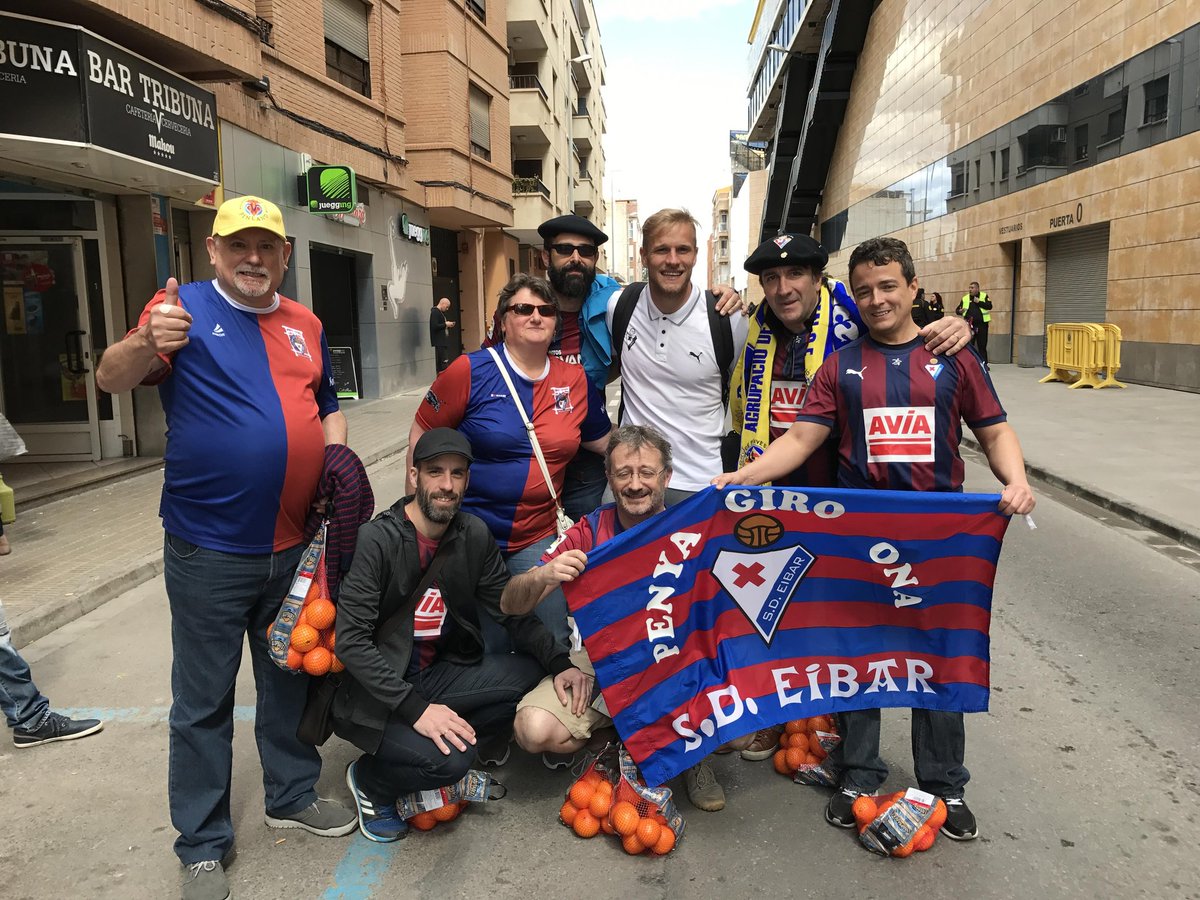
{"x": 814, "y": 745}
{"x": 938, "y": 818}
{"x": 810, "y": 759}
{"x": 447, "y": 813}
{"x": 295, "y": 659}
{"x": 581, "y": 794}
{"x": 320, "y": 613}
{"x": 821, "y": 723}
{"x": 328, "y": 639}
{"x": 665, "y": 843}
{"x": 317, "y": 661}
{"x": 586, "y": 825}
{"x": 593, "y": 778}
{"x": 796, "y": 726}
{"x": 304, "y": 638}
{"x": 632, "y": 845}
{"x": 625, "y": 818}
{"x": 648, "y": 832}
{"x": 924, "y": 838}
{"x": 601, "y": 803}
{"x": 795, "y": 756}
{"x": 606, "y": 826}
{"x": 423, "y": 821}
{"x": 567, "y": 813}
{"x": 660, "y": 819}
{"x": 864, "y": 810}
{"x": 335, "y": 665}
{"x": 781, "y": 765}
{"x": 785, "y": 740}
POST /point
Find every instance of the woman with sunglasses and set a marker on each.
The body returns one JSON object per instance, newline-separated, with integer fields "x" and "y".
{"x": 507, "y": 489}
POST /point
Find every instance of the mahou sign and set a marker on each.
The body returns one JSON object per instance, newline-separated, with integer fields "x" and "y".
{"x": 62, "y": 83}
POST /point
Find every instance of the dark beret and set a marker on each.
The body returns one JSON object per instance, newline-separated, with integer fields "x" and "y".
{"x": 787, "y": 250}
{"x": 552, "y": 228}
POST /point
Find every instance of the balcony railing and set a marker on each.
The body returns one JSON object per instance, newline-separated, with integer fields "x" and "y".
{"x": 526, "y": 83}
{"x": 530, "y": 185}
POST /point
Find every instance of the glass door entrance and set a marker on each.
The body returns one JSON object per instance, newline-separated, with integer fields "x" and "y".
{"x": 49, "y": 388}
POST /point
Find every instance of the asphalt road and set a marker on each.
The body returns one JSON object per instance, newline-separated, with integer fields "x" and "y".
{"x": 1086, "y": 771}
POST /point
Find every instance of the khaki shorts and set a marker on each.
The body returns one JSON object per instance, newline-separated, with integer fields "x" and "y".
{"x": 543, "y": 697}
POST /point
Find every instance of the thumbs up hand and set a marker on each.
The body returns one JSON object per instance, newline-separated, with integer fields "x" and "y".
{"x": 169, "y": 322}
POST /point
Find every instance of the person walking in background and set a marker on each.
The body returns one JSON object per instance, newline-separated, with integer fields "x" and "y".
{"x": 976, "y": 308}
{"x": 439, "y": 332}
{"x": 933, "y": 304}
{"x": 246, "y": 383}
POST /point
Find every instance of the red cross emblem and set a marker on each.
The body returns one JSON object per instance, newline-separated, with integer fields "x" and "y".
{"x": 748, "y": 574}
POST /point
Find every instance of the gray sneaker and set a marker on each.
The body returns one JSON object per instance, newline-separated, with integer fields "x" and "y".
{"x": 325, "y": 818}
{"x": 703, "y": 789}
{"x": 205, "y": 881}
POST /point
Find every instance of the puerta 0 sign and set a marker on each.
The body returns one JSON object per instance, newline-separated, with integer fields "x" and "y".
{"x": 63, "y": 83}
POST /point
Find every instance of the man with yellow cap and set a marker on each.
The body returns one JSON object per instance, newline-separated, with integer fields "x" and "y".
{"x": 245, "y": 381}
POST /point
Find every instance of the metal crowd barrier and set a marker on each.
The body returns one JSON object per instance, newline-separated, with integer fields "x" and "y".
{"x": 1084, "y": 354}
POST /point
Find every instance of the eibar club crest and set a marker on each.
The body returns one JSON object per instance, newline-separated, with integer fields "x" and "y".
{"x": 782, "y": 241}
{"x": 296, "y": 339}
{"x": 562, "y": 400}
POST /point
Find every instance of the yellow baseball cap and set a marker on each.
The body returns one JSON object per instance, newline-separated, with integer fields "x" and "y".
{"x": 248, "y": 212}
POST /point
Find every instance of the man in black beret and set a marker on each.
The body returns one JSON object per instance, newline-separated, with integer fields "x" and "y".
{"x": 806, "y": 317}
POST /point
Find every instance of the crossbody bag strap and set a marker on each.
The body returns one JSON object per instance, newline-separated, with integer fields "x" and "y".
{"x": 397, "y": 619}
{"x": 537, "y": 450}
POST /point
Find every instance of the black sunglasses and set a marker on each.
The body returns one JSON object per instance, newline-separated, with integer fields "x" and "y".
{"x": 585, "y": 251}
{"x": 546, "y": 310}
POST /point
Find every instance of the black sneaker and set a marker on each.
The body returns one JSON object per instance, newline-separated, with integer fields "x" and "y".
{"x": 493, "y": 751}
{"x": 839, "y": 812}
{"x": 378, "y": 823}
{"x": 56, "y": 727}
{"x": 960, "y": 821}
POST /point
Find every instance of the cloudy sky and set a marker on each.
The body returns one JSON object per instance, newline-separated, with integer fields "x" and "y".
{"x": 677, "y": 78}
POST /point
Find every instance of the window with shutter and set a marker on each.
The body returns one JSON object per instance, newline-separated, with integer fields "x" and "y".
{"x": 481, "y": 123}
{"x": 347, "y": 52}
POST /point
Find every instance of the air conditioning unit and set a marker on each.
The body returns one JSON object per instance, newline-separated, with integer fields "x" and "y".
{"x": 1058, "y": 135}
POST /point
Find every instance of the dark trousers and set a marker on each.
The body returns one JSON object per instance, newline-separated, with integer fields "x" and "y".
{"x": 981, "y": 339}
{"x": 217, "y": 600}
{"x": 442, "y": 356}
{"x": 486, "y": 695}
{"x": 939, "y": 744}
{"x": 584, "y": 484}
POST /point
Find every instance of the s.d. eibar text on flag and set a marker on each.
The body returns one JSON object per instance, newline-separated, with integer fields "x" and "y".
{"x": 746, "y": 607}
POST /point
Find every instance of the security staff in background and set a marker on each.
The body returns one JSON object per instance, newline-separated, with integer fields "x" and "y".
{"x": 439, "y": 332}
{"x": 976, "y": 308}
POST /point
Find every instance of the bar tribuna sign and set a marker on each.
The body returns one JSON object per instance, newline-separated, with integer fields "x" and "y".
{"x": 63, "y": 83}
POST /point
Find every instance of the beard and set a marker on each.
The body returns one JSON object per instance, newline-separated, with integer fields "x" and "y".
{"x": 250, "y": 286}
{"x": 642, "y": 502}
{"x": 573, "y": 280}
{"x": 437, "y": 514}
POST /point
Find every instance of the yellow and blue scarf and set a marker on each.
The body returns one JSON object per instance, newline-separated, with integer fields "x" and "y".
{"x": 834, "y": 324}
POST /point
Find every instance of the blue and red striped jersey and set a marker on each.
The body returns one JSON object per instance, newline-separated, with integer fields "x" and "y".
{"x": 897, "y": 413}
{"x": 598, "y": 526}
{"x": 507, "y": 489}
{"x": 244, "y": 402}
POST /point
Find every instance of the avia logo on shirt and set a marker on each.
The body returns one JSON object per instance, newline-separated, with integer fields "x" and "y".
{"x": 787, "y": 397}
{"x": 430, "y": 614}
{"x": 562, "y": 400}
{"x": 218, "y": 331}
{"x": 899, "y": 433}
{"x": 296, "y": 338}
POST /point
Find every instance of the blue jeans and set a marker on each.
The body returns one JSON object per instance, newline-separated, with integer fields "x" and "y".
{"x": 552, "y": 611}
{"x": 485, "y": 694}
{"x": 216, "y": 600}
{"x": 23, "y": 704}
{"x": 584, "y": 484}
{"x": 939, "y": 743}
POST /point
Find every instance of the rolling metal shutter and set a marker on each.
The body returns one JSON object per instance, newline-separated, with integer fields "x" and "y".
{"x": 481, "y": 126}
{"x": 346, "y": 26}
{"x": 1077, "y": 276}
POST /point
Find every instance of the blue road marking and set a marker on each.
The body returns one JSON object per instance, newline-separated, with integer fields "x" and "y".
{"x": 361, "y": 869}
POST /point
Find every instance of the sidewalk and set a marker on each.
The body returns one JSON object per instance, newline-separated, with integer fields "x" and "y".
{"x": 73, "y": 554}
{"x": 1132, "y": 451}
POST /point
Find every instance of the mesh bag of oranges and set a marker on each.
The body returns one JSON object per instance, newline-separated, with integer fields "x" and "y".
{"x": 610, "y": 797}
{"x": 900, "y": 824}
{"x": 301, "y": 639}
{"x": 803, "y": 748}
{"x": 425, "y": 810}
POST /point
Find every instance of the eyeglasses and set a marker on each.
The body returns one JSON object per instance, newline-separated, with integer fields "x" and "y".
{"x": 546, "y": 310}
{"x": 585, "y": 251}
{"x": 622, "y": 476}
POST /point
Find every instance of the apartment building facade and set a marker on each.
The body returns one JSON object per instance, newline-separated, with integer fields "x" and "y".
{"x": 557, "y": 119}
{"x": 1046, "y": 150}
{"x": 625, "y": 260}
{"x": 718, "y": 237}
{"x": 125, "y": 123}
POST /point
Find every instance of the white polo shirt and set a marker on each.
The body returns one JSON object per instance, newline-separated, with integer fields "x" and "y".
{"x": 670, "y": 379}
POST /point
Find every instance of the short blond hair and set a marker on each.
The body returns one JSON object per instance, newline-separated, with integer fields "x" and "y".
{"x": 664, "y": 219}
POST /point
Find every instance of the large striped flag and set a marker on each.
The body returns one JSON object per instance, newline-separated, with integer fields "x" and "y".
{"x": 746, "y": 607}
